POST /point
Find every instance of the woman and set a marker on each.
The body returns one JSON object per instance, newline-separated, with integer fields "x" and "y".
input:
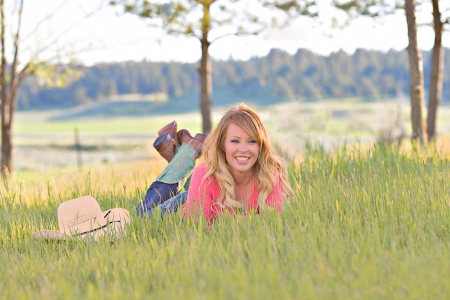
{"x": 240, "y": 171}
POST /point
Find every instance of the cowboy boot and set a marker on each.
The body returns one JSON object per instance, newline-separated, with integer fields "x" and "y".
{"x": 196, "y": 143}
{"x": 183, "y": 162}
{"x": 171, "y": 129}
{"x": 167, "y": 140}
{"x": 166, "y": 146}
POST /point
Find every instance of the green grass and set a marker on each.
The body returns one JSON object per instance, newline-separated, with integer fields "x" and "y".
{"x": 364, "y": 224}
{"x": 292, "y": 123}
{"x": 119, "y": 126}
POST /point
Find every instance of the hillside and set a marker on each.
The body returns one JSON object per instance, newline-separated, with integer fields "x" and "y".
{"x": 371, "y": 75}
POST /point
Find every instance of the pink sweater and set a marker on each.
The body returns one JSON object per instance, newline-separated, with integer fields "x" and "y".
{"x": 202, "y": 196}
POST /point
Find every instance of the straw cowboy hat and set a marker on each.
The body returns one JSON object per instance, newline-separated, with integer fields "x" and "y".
{"x": 82, "y": 217}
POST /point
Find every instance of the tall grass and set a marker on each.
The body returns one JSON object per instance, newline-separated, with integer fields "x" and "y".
{"x": 364, "y": 224}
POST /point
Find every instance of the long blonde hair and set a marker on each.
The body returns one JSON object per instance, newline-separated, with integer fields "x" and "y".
{"x": 267, "y": 165}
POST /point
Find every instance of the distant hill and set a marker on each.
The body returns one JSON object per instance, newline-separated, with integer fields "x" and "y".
{"x": 274, "y": 78}
{"x": 141, "y": 107}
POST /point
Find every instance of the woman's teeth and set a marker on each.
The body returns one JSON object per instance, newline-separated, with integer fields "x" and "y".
{"x": 242, "y": 158}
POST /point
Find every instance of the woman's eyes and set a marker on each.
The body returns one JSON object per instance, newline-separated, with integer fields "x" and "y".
{"x": 237, "y": 141}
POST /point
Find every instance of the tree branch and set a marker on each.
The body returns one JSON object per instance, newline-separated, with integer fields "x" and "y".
{"x": 48, "y": 16}
{"x": 23, "y": 73}
{"x": 3, "y": 58}
{"x": 235, "y": 34}
{"x": 13, "y": 82}
{"x": 88, "y": 15}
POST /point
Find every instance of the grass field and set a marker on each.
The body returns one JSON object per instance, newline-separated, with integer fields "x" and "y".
{"x": 367, "y": 221}
{"x": 364, "y": 224}
{"x": 346, "y": 117}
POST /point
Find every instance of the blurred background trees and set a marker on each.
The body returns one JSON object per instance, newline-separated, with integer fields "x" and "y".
{"x": 366, "y": 74}
{"x": 438, "y": 19}
{"x": 279, "y": 76}
{"x": 210, "y": 20}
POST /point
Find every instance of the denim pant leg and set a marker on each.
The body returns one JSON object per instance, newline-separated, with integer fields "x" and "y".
{"x": 157, "y": 193}
{"x": 172, "y": 205}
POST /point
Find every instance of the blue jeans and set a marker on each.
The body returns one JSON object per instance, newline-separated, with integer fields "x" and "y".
{"x": 162, "y": 195}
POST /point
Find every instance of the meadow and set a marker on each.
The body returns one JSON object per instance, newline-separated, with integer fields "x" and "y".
{"x": 45, "y": 139}
{"x": 370, "y": 224}
{"x": 366, "y": 222}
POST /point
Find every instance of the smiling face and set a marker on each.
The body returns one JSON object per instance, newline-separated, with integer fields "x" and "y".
{"x": 241, "y": 150}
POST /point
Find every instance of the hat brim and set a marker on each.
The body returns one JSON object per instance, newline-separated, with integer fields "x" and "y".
{"x": 49, "y": 235}
{"x": 115, "y": 220}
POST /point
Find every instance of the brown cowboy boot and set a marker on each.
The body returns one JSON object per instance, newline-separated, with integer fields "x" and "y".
{"x": 170, "y": 128}
{"x": 167, "y": 140}
{"x": 166, "y": 146}
{"x": 196, "y": 143}
{"x": 182, "y": 164}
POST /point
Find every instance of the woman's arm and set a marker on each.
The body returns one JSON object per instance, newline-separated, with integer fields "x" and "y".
{"x": 200, "y": 195}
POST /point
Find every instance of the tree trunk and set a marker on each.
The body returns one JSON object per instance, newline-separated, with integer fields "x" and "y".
{"x": 205, "y": 74}
{"x": 6, "y": 159}
{"x": 7, "y": 145}
{"x": 415, "y": 75}
{"x": 436, "y": 78}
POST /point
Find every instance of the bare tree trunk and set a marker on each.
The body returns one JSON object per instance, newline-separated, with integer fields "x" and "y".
{"x": 415, "y": 75}
{"x": 436, "y": 80}
{"x": 205, "y": 74}
{"x": 9, "y": 94}
{"x": 7, "y": 145}
{"x": 5, "y": 162}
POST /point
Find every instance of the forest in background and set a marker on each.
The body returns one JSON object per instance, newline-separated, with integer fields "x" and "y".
{"x": 279, "y": 76}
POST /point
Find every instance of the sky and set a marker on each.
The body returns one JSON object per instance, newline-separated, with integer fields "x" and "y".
{"x": 111, "y": 36}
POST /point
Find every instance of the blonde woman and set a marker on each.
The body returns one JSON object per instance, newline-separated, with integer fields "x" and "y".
{"x": 240, "y": 171}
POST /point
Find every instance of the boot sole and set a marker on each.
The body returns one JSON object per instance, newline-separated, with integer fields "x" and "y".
{"x": 160, "y": 140}
{"x": 165, "y": 146}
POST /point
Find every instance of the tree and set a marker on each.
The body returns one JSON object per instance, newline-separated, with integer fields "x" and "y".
{"x": 199, "y": 18}
{"x": 14, "y": 70}
{"x": 415, "y": 74}
{"x": 437, "y": 70}
{"x": 379, "y": 8}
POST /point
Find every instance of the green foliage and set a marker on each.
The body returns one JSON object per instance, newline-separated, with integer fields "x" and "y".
{"x": 195, "y": 17}
{"x": 278, "y": 76}
{"x": 58, "y": 76}
{"x": 363, "y": 224}
{"x": 369, "y": 8}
